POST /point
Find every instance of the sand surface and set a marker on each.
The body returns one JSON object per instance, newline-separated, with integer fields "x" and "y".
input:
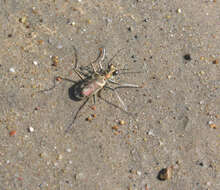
{"x": 171, "y": 49}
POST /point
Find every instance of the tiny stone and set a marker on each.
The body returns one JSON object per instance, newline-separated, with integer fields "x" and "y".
{"x": 73, "y": 23}
{"x": 89, "y": 118}
{"x": 179, "y": 10}
{"x": 210, "y": 122}
{"x": 150, "y": 133}
{"x": 213, "y": 126}
{"x": 59, "y": 46}
{"x": 12, "y": 133}
{"x": 31, "y": 129}
{"x": 43, "y": 155}
{"x": 60, "y": 157}
{"x": 121, "y": 122}
{"x": 139, "y": 173}
{"x": 165, "y": 174}
{"x": 35, "y": 62}
{"x": 129, "y": 29}
{"x": 68, "y": 150}
{"x": 12, "y": 70}
{"x": 55, "y": 60}
{"x": 79, "y": 176}
{"x": 22, "y": 19}
{"x": 187, "y": 57}
{"x": 202, "y": 72}
{"x": 115, "y": 127}
{"x": 201, "y": 102}
{"x": 215, "y": 62}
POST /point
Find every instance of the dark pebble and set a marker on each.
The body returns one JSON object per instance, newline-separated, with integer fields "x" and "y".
{"x": 187, "y": 57}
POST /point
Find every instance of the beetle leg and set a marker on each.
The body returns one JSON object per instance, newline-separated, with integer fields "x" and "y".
{"x": 76, "y": 57}
{"x": 78, "y": 74}
{"x": 116, "y": 106}
{"x": 93, "y": 67}
{"x": 102, "y": 55}
{"x": 119, "y": 98}
{"x": 102, "y": 52}
{"x": 54, "y": 83}
{"x": 76, "y": 64}
{"x": 80, "y": 108}
{"x": 94, "y": 99}
{"x": 114, "y": 56}
{"x": 126, "y": 85}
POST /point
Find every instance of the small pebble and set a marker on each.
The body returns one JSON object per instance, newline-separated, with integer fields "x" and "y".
{"x": 150, "y": 133}
{"x": 121, "y": 122}
{"x": 210, "y": 122}
{"x": 89, "y": 118}
{"x": 165, "y": 173}
{"x": 55, "y": 60}
{"x": 59, "y": 157}
{"x": 79, "y": 176}
{"x": 215, "y": 62}
{"x": 202, "y": 72}
{"x": 187, "y": 57}
{"x": 31, "y": 129}
{"x": 179, "y": 10}
{"x": 213, "y": 126}
{"x": 12, "y": 133}
{"x": 58, "y": 78}
{"x": 201, "y": 102}
{"x": 93, "y": 107}
{"x": 23, "y": 19}
{"x": 129, "y": 29}
{"x": 43, "y": 155}
{"x": 12, "y": 70}
{"x": 59, "y": 46}
{"x": 115, "y": 127}
{"x": 93, "y": 115}
{"x": 68, "y": 150}
{"x": 73, "y": 23}
{"x": 139, "y": 173}
{"x": 35, "y": 62}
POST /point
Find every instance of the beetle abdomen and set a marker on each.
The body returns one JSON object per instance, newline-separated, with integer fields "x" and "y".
{"x": 90, "y": 89}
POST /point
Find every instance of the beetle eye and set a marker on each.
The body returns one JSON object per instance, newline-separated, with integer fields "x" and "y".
{"x": 109, "y": 66}
{"x": 115, "y": 73}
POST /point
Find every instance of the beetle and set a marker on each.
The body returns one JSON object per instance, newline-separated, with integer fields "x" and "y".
{"x": 91, "y": 84}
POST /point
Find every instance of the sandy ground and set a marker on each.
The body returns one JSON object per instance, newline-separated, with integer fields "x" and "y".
{"x": 176, "y": 113}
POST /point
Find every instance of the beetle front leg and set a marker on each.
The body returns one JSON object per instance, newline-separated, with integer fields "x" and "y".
{"x": 94, "y": 99}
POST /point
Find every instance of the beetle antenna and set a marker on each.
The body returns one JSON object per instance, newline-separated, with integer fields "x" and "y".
{"x": 115, "y": 56}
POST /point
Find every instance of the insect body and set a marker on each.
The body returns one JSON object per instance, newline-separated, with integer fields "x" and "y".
{"x": 90, "y": 86}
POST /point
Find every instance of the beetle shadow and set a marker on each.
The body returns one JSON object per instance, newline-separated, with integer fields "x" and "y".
{"x": 75, "y": 91}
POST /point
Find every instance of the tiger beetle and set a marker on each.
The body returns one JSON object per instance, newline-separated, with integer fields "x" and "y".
{"x": 91, "y": 85}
